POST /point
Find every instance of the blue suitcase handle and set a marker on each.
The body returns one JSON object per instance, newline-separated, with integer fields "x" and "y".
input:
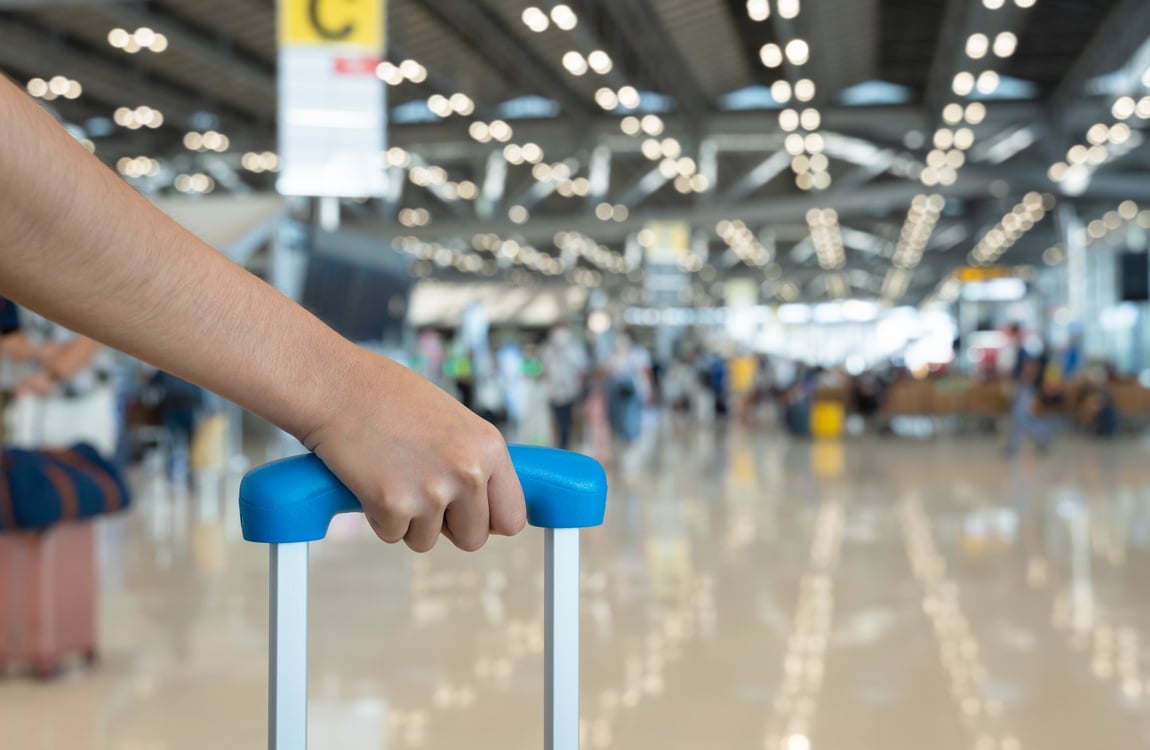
{"x": 294, "y": 499}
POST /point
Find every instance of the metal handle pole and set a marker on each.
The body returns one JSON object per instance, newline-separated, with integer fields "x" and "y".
{"x": 287, "y": 656}
{"x": 561, "y": 639}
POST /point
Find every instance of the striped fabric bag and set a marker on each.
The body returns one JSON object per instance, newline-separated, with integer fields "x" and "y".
{"x": 40, "y": 488}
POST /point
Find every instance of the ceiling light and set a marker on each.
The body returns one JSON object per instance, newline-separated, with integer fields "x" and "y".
{"x": 813, "y": 143}
{"x": 535, "y": 19}
{"x": 794, "y": 144}
{"x": 462, "y": 104}
{"x": 781, "y": 91}
{"x": 987, "y": 82}
{"x": 810, "y": 119}
{"x": 500, "y": 131}
{"x": 804, "y": 89}
{"x": 389, "y": 73}
{"x": 1123, "y": 108}
{"x": 798, "y": 52}
{"x": 952, "y": 113}
{"x": 518, "y": 214}
{"x": 439, "y": 105}
{"x": 574, "y": 62}
{"x": 1142, "y": 109}
{"x": 1096, "y": 155}
{"x": 513, "y": 153}
{"x": 1005, "y": 44}
{"x": 606, "y": 98}
{"x": 600, "y": 62}
{"x": 963, "y": 138}
{"x": 975, "y": 113}
{"x": 943, "y": 138}
{"x": 789, "y": 120}
{"x": 37, "y": 87}
{"x": 758, "y": 10}
{"x": 1119, "y": 133}
{"x": 976, "y": 46}
{"x": 963, "y": 83}
{"x": 541, "y": 172}
{"x": 652, "y": 149}
{"x": 1025, "y": 3}
{"x": 628, "y": 97}
{"x": 1057, "y": 171}
{"x": 788, "y": 8}
{"x": 119, "y": 38}
{"x": 993, "y": 4}
{"x": 479, "y": 132}
{"x": 668, "y": 168}
{"x": 1098, "y": 133}
{"x": 630, "y": 125}
{"x": 532, "y": 153}
{"x": 771, "y": 55}
{"x": 671, "y": 148}
{"x": 652, "y": 124}
{"x": 564, "y": 17}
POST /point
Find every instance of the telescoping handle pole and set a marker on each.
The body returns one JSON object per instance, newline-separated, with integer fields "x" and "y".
{"x": 561, "y": 639}
{"x": 287, "y": 504}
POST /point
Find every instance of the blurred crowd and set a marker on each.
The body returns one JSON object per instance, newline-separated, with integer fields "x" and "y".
{"x": 596, "y": 393}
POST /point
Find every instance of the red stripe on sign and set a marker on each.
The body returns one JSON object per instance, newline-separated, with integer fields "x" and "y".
{"x": 356, "y": 65}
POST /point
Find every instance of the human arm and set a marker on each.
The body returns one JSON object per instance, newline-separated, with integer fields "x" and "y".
{"x": 83, "y": 249}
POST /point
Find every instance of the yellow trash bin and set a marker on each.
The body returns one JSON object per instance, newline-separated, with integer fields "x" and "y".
{"x": 828, "y": 420}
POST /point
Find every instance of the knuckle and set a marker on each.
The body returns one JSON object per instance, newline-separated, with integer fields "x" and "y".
{"x": 471, "y": 542}
{"x": 438, "y": 494}
{"x": 421, "y": 545}
{"x": 472, "y": 477}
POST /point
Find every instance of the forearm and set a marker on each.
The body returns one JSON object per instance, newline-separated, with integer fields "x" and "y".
{"x": 82, "y": 248}
{"x": 17, "y": 347}
{"x": 71, "y": 358}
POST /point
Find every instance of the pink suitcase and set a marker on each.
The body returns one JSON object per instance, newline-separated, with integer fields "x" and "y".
{"x": 48, "y": 596}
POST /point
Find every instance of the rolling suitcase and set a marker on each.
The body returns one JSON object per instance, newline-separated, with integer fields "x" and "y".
{"x": 289, "y": 503}
{"x": 48, "y": 596}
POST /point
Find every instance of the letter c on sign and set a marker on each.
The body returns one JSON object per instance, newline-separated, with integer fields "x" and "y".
{"x": 324, "y": 31}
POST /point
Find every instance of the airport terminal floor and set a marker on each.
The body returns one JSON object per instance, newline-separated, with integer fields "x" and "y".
{"x": 747, "y": 591}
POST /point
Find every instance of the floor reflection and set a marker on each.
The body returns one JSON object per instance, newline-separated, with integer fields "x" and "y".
{"x": 746, "y": 592}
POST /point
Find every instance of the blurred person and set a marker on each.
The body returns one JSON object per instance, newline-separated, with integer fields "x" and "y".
{"x": 509, "y": 366}
{"x": 430, "y": 355}
{"x": 82, "y": 248}
{"x": 564, "y": 376}
{"x": 61, "y": 385}
{"x": 628, "y": 387}
{"x": 1026, "y": 418}
{"x": 744, "y": 370}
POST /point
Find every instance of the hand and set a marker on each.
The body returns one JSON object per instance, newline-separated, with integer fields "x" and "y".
{"x": 38, "y": 383}
{"x": 420, "y": 462}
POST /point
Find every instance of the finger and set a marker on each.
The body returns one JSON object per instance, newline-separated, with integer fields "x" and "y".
{"x": 391, "y": 519}
{"x": 467, "y": 521}
{"x": 424, "y": 531}
{"x": 505, "y": 499}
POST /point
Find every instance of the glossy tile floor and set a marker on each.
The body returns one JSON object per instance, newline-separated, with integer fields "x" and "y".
{"x": 746, "y": 592}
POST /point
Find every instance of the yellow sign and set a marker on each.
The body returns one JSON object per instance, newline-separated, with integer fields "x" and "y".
{"x": 353, "y": 23}
{"x": 670, "y": 240}
{"x": 973, "y": 274}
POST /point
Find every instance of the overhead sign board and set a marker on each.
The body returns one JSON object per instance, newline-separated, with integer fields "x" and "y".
{"x": 332, "y": 106}
{"x": 974, "y": 274}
